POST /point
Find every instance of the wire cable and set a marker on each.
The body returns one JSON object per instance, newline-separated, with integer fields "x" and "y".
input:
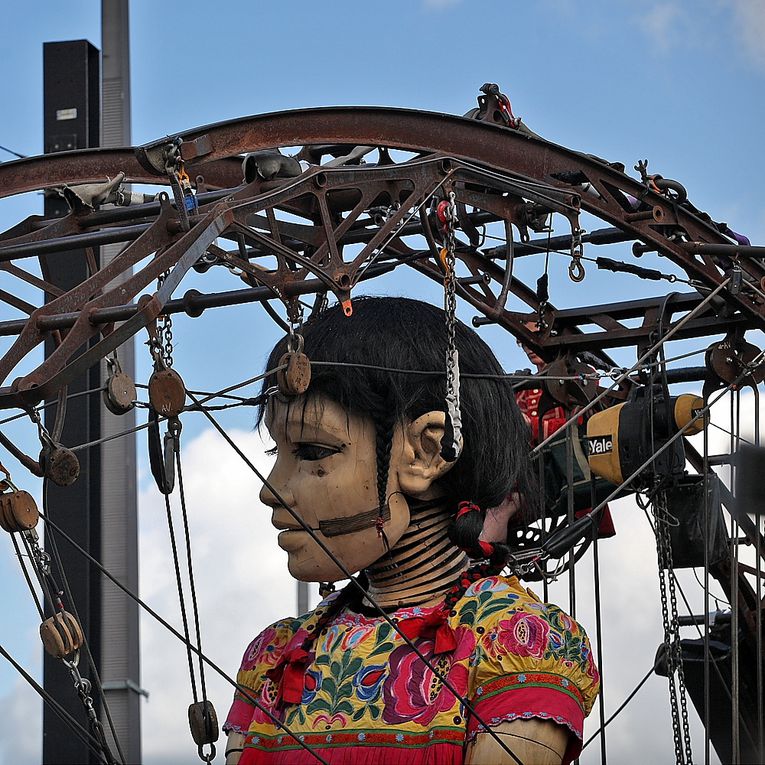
{"x": 82, "y": 733}
{"x": 348, "y": 575}
{"x": 149, "y": 610}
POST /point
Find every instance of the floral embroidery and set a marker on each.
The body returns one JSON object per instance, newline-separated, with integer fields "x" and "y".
{"x": 412, "y": 691}
{"x": 522, "y": 634}
{"x": 365, "y": 687}
{"x": 368, "y": 681}
{"x": 311, "y": 686}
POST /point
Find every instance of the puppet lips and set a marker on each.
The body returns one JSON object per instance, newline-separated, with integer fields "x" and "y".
{"x": 291, "y": 539}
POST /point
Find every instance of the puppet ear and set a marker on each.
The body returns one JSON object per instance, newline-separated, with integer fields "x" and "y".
{"x": 419, "y": 461}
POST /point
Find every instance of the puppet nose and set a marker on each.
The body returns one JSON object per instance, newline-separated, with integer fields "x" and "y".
{"x": 276, "y": 493}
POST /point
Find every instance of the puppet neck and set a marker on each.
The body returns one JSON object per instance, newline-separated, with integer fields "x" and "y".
{"x": 422, "y": 565}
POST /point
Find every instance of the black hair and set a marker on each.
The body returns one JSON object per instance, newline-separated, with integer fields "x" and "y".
{"x": 402, "y": 333}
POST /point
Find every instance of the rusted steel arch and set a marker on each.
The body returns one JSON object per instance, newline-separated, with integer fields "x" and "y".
{"x": 209, "y": 150}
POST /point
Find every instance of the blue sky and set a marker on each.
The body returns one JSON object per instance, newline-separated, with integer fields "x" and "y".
{"x": 681, "y": 83}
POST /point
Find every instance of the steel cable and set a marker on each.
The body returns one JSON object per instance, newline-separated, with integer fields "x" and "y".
{"x": 447, "y": 684}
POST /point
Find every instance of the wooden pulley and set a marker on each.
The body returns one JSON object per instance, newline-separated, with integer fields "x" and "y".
{"x": 61, "y": 635}
{"x": 167, "y": 393}
{"x": 203, "y": 722}
{"x": 18, "y": 511}
{"x": 296, "y": 377}
{"x": 120, "y": 393}
{"x": 60, "y": 464}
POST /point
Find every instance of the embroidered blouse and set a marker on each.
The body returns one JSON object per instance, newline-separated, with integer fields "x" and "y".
{"x": 368, "y": 698}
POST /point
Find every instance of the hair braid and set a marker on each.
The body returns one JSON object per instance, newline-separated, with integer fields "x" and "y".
{"x": 465, "y": 532}
{"x": 337, "y": 604}
{"x": 384, "y": 426}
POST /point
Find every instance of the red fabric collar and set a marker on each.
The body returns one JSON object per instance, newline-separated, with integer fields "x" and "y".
{"x": 434, "y": 625}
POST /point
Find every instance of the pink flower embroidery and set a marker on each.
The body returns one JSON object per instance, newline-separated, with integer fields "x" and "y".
{"x": 522, "y": 634}
{"x": 412, "y": 692}
{"x": 266, "y": 648}
{"x": 266, "y": 699}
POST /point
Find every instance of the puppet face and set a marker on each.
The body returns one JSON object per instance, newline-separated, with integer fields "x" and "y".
{"x": 326, "y": 470}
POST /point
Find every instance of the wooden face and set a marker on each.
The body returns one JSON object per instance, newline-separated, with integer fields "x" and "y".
{"x": 326, "y": 469}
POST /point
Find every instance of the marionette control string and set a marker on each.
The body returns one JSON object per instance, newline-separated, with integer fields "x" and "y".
{"x": 74, "y": 725}
{"x": 240, "y": 688}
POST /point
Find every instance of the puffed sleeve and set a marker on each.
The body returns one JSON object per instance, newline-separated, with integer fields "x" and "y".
{"x": 259, "y": 656}
{"x": 531, "y": 660}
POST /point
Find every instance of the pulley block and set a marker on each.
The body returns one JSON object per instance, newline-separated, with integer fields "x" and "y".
{"x": 60, "y": 464}
{"x": 203, "y": 722}
{"x": 167, "y": 393}
{"x": 18, "y": 511}
{"x": 61, "y": 635}
{"x": 295, "y": 378}
{"x": 120, "y": 393}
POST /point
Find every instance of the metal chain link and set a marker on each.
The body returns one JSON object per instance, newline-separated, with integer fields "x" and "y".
{"x": 450, "y": 309}
{"x": 669, "y": 614}
{"x": 84, "y": 687}
{"x": 164, "y": 345}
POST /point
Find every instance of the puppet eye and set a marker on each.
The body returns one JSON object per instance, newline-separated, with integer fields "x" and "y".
{"x": 313, "y": 452}
{"x": 272, "y": 451}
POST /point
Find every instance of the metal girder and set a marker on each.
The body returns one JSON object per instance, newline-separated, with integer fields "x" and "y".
{"x": 497, "y": 170}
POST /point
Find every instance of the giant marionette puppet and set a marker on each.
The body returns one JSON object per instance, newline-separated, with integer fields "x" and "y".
{"x": 445, "y": 660}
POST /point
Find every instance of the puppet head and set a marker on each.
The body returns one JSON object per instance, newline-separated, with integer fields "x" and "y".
{"x": 362, "y": 444}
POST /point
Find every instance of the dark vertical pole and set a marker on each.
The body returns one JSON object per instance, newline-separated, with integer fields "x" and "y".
{"x": 119, "y": 540}
{"x": 71, "y": 88}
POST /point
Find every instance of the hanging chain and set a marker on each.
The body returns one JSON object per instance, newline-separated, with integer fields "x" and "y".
{"x": 669, "y": 615}
{"x": 451, "y": 443}
{"x": 162, "y": 349}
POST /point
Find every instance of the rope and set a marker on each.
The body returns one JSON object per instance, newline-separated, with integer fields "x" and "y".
{"x": 187, "y": 536}
{"x": 181, "y": 597}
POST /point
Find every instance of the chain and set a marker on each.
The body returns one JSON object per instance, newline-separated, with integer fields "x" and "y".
{"x": 452, "y": 440}
{"x": 682, "y": 740}
{"x": 164, "y": 340}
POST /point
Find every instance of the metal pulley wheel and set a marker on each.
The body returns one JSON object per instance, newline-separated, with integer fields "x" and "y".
{"x": 18, "y": 511}
{"x": 729, "y": 359}
{"x": 60, "y": 464}
{"x": 167, "y": 393}
{"x": 570, "y": 392}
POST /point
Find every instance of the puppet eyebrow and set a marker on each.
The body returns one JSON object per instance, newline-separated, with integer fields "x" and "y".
{"x": 298, "y": 431}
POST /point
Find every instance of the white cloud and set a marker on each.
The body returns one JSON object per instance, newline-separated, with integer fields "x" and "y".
{"x": 662, "y": 23}
{"x": 749, "y": 24}
{"x": 241, "y": 580}
{"x": 21, "y": 726}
